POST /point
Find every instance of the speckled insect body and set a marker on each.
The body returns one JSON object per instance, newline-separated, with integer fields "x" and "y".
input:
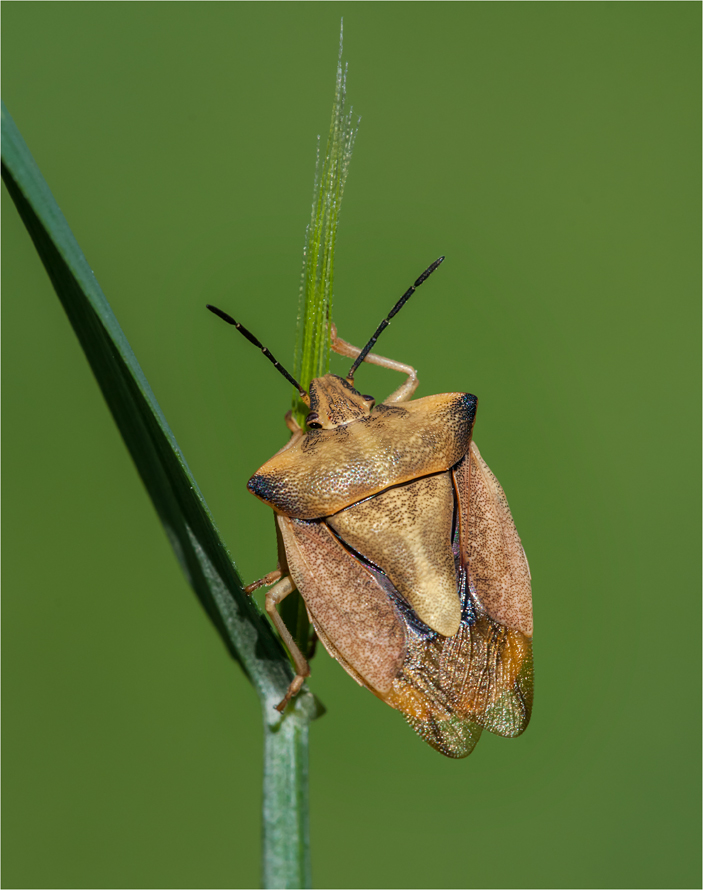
{"x": 401, "y": 543}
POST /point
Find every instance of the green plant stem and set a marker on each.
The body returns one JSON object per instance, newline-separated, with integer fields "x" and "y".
{"x": 286, "y": 828}
{"x": 311, "y": 360}
{"x": 181, "y": 508}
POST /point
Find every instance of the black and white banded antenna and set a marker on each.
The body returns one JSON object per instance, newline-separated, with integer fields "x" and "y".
{"x": 387, "y": 320}
{"x": 252, "y": 339}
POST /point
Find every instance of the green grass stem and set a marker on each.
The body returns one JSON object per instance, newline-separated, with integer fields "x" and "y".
{"x": 169, "y": 482}
{"x": 184, "y": 514}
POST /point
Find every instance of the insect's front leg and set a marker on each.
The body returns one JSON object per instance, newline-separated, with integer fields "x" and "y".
{"x": 276, "y": 595}
{"x": 295, "y": 428}
{"x": 293, "y": 425}
{"x": 404, "y": 391}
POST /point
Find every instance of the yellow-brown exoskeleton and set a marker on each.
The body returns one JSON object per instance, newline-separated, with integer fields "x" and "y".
{"x": 401, "y": 543}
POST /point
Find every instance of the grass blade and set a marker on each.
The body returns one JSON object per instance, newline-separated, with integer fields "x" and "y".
{"x": 312, "y": 348}
{"x": 181, "y": 508}
{"x": 316, "y": 287}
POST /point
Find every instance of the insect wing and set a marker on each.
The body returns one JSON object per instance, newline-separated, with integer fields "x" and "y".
{"x": 351, "y": 611}
{"x": 450, "y": 688}
{"x": 498, "y": 584}
{"x": 364, "y": 623}
{"x": 490, "y": 545}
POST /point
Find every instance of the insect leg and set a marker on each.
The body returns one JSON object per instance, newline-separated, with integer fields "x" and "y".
{"x": 266, "y": 581}
{"x": 404, "y": 391}
{"x": 292, "y": 423}
{"x": 273, "y": 598}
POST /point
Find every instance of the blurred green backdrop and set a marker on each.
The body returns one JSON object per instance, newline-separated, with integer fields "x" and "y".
{"x": 551, "y": 151}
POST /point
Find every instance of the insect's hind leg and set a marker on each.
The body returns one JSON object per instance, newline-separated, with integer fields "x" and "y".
{"x": 275, "y": 596}
{"x": 404, "y": 391}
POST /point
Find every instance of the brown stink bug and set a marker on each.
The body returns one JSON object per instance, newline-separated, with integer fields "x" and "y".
{"x": 401, "y": 543}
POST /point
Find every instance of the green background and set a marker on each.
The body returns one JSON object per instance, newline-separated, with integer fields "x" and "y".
{"x": 550, "y": 150}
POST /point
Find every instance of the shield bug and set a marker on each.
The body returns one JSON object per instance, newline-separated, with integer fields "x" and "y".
{"x": 401, "y": 543}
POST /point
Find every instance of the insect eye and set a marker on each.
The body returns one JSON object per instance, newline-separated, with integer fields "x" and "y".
{"x": 313, "y": 421}
{"x": 368, "y": 398}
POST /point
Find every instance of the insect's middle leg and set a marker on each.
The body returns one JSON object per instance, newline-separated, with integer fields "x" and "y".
{"x": 266, "y": 581}
{"x": 404, "y": 391}
{"x": 276, "y": 595}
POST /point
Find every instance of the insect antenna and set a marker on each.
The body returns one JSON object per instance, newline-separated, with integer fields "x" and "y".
{"x": 387, "y": 320}
{"x": 252, "y": 339}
